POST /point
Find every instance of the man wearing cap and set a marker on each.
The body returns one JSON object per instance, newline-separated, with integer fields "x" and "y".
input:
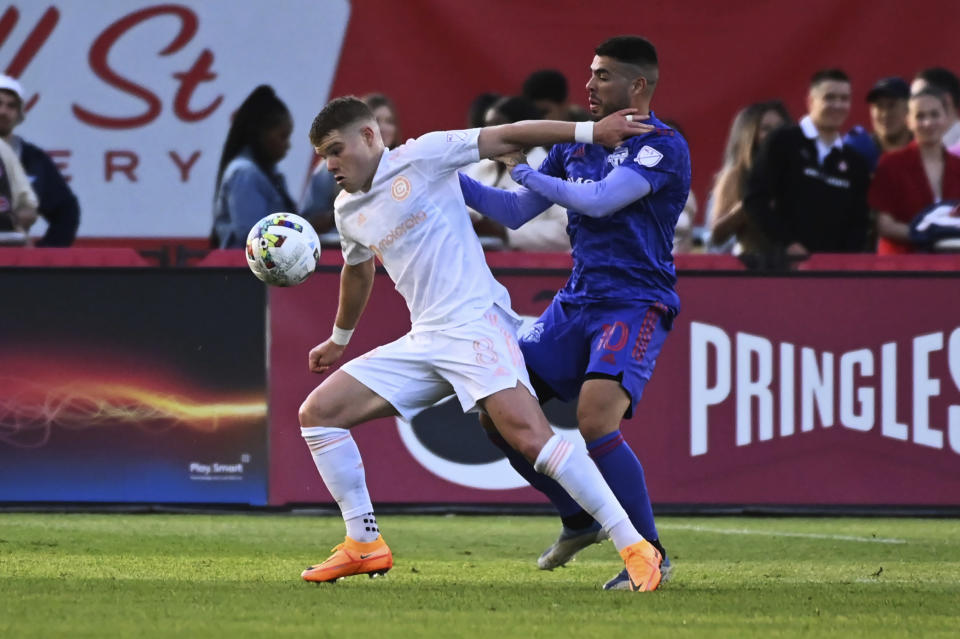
{"x": 888, "y": 119}
{"x": 57, "y": 203}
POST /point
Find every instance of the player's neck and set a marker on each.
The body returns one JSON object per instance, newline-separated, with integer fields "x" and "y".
{"x": 374, "y": 165}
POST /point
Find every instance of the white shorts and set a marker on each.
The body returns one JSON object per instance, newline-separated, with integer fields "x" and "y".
{"x": 419, "y": 370}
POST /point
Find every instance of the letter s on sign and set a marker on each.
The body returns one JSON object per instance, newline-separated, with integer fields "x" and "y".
{"x": 98, "y": 62}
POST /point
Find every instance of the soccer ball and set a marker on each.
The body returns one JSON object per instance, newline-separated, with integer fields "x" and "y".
{"x": 282, "y": 249}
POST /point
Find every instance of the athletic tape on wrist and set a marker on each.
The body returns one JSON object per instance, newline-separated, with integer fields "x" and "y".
{"x": 341, "y": 336}
{"x": 583, "y": 132}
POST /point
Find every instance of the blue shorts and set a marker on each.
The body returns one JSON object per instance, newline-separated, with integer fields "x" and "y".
{"x": 571, "y": 343}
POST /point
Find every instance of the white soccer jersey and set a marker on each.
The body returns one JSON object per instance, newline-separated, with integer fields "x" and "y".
{"x": 415, "y": 221}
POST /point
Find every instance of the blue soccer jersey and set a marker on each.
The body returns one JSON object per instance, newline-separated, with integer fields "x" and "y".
{"x": 627, "y": 255}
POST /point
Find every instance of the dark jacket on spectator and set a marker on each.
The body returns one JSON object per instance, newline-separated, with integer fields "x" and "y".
{"x": 794, "y": 198}
{"x": 58, "y": 205}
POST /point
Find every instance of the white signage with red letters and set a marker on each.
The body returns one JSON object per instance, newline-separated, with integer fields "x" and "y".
{"x": 133, "y": 98}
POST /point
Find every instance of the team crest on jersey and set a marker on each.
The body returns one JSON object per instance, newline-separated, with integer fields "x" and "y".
{"x": 361, "y": 219}
{"x": 533, "y": 335}
{"x": 618, "y": 156}
{"x": 648, "y": 157}
{"x": 400, "y": 188}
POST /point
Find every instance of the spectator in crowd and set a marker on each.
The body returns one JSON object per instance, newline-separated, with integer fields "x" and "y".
{"x": 808, "y": 191}
{"x": 547, "y": 231}
{"x": 386, "y": 114}
{"x": 56, "y": 202}
{"x": 888, "y": 119}
{"x": 947, "y": 82}
{"x": 477, "y": 113}
{"x": 547, "y": 89}
{"x": 317, "y": 203}
{"x": 18, "y": 202}
{"x": 248, "y": 183}
{"x": 910, "y": 179}
{"x": 731, "y": 229}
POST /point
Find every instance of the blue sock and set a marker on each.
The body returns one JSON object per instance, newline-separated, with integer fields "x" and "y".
{"x": 564, "y": 503}
{"x": 624, "y": 474}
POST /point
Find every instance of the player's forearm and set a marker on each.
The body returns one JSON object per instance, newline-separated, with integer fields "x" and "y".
{"x": 356, "y": 282}
{"x": 594, "y": 199}
{"x": 510, "y": 208}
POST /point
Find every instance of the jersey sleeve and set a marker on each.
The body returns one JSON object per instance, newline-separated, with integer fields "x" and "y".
{"x": 659, "y": 160}
{"x": 553, "y": 164}
{"x": 353, "y": 251}
{"x": 443, "y": 152}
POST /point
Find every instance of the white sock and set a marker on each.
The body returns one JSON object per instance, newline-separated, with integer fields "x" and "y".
{"x": 338, "y": 460}
{"x": 579, "y": 476}
{"x": 363, "y": 528}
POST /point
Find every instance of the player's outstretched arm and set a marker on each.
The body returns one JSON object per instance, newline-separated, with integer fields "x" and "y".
{"x": 610, "y": 131}
{"x": 510, "y": 208}
{"x": 356, "y": 282}
{"x": 594, "y": 199}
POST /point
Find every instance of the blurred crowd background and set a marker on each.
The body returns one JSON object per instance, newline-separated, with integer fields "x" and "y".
{"x": 816, "y": 156}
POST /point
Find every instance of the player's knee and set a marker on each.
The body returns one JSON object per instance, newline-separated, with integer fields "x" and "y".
{"x": 317, "y": 410}
{"x": 593, "y": 427}
{"x": 525, "y": 437}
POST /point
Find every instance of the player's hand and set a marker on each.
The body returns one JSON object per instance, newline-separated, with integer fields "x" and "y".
{"x": 512, "y": 159}
{"x": 323, "y": 356}
{"x": 612, "y": 130}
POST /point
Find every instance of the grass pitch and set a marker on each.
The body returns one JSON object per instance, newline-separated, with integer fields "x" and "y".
{"x": 82, "y": 575}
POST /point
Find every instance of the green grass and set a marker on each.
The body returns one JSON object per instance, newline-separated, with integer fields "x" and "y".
{"x": 82, "y": 575}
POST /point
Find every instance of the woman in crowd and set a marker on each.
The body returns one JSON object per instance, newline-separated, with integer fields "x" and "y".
{"x": 248, "y": 183}
{"x": 386, "y": 115}
{"x": 911, "y": 179}
{"x": 725, "y": 213}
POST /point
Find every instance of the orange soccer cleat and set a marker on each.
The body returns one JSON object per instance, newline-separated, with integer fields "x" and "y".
{"x": 643, "y": 566}
{"x": 352, "y": 558}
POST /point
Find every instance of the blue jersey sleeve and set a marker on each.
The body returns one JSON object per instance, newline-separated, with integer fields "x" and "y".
{"x": 553, "y": 165}
{"x": 659, "y": 159}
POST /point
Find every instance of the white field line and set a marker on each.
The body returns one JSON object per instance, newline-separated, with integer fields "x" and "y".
{"x": 775, "y": 533}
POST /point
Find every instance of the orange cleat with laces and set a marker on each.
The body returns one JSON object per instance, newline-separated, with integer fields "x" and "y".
{"x": 352, "y": 558}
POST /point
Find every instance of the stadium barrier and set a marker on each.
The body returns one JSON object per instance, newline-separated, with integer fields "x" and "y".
{"x": 821, "y": 386}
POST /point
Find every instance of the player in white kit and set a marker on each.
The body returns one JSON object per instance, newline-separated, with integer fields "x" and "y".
{"x": 405, "y": 208}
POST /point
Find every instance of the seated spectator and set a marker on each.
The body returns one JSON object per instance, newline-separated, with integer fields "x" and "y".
{"x": 317, "y": 203}
{"x": 947, "y": 82}
{"x": 18, "y": 202}
{"x": 888, "y": 119}
{"x": 731, "y": 229}
{"x": 547, "y": 231}
{"x": 56, "y": 202}
{"x": 807, "y": 191}
{"x": 911, "y": 179}
{"x": 477, "y": 112}
{"x": 249, "y": 186}
{"x": 547, "y": 89}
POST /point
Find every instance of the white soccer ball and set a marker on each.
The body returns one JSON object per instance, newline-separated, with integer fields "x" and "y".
{"x": 282, "y": 249}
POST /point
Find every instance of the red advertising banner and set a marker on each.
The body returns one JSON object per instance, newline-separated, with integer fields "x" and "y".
{"x": 800, "y": 390}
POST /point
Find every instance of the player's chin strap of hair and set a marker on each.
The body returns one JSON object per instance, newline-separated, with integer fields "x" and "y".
{"x": 341, "y": 336}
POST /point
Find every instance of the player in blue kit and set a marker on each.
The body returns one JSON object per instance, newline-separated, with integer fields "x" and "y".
{"x": 599, "y": 339}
